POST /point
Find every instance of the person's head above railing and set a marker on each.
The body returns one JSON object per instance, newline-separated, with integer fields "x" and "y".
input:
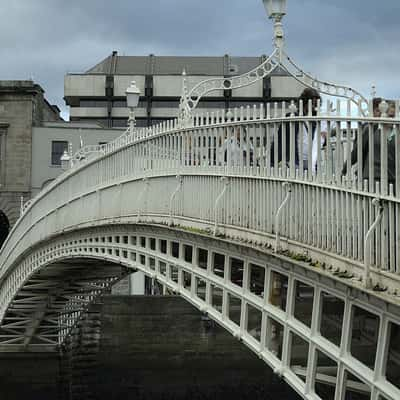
{"x": 310, "y": 97}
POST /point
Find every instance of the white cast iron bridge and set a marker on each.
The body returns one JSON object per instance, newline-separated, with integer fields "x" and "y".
{"x": 300, "y": 263}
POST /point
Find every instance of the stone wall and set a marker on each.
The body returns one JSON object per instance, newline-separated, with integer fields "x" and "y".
{"x": 10, "y": 204}
{"x": 22, "y": 105}
{"x": 17, "y": 112}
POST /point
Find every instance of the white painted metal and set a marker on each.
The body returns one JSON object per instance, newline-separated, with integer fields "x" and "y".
{"x": 133, "y": 179}
{"x": 367, "y": 242}
{"x": 120, "y": 248}
{"x": 278, "y": 223}
{"x": 225, "y": 182}
{"x": 171, "y": 200}
{"x": 116, "y": 197}
{"x": 127, "y": 185}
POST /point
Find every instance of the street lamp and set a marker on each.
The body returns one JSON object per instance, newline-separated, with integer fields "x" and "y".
{"x": 132, "y": 99}
{"x": 65, "y": 160}
{"x": 276, "y": 9}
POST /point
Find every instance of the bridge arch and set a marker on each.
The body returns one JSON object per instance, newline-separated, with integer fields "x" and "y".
{"x": 279, "y": 308}
{"x": 169, "y": 176}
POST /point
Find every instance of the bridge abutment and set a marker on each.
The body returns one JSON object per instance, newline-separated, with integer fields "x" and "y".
{"x": 80, "y": 357}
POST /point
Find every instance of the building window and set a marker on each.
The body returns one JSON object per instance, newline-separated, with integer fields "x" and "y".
{"x": 211, "y": 104}
{"x": 141, "y": 122}
{"x": 120, "y": 103}
{"x": 123, "y": 104}
{"x": 57, "y": 150}
{"x": 120, "y": 123}
{"x": 103, "y": 122}
{"x": 93, "y": 103}
{"x": 165, "y": 104}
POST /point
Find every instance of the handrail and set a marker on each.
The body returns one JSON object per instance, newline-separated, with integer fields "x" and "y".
{"x": 162, "y": 144}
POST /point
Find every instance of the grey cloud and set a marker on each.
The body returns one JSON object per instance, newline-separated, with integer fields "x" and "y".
{"x": 355, "y": 41}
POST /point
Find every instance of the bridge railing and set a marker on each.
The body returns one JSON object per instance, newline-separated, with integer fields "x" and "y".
{"x": 255, "y": 131}
{"x": 343, "y": 170}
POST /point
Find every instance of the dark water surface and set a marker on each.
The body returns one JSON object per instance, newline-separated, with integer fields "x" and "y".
{"x": 157, "y": 348}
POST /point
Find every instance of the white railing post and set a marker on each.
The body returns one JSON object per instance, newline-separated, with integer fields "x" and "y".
{"x": 141, "y": 195}
{"x": 367, "y": 243}
{"x": 171, "y": 200}
{"x": 225, "y": 181}
{"x": 288, "y": 188}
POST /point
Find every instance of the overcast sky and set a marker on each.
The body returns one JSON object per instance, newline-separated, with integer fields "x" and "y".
{"x": 354, "y": 42}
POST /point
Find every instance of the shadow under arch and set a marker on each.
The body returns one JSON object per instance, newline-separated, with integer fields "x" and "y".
{"x": 52, "y": 298}
{"x": 4, "y": 227}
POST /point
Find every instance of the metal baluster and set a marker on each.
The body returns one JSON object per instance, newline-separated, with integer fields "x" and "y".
{"x": 283, "y": 127}
{"x": 371, "y": 157}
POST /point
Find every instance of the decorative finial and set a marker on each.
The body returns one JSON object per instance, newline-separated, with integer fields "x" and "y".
{"x": 373, "y": 91}
{"x": 292, "y": 108}
{"x": 383, "y": 108}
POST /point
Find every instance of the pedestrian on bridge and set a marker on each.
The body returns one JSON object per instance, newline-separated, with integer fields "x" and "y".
{"x": 237, "y": 149}
{"x": 309, "y": 97}
{"x": 363, "y": 167}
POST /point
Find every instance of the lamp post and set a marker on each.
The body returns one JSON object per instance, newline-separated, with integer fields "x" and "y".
{"x": 132, "y": 99}
{"x": 276, "y": 9}
{"x": 65, "y": 160}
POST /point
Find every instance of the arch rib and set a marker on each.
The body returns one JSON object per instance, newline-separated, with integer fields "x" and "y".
{"x": 190, "y": 100}
{"x": 327, "y": 88}
{"x": 278, "y": 58}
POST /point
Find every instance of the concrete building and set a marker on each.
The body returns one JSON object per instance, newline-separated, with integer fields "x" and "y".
{"x": 99, "y": 93}
{"x": 51, "y": 139}
{"x": 48, "y": 144}
{"x": 22, "y": 107}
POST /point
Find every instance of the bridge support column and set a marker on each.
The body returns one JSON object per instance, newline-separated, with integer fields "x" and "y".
{"x": 79, "y": 358}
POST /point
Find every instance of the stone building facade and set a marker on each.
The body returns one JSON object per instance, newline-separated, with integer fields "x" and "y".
{"x": 22, "y": 106}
